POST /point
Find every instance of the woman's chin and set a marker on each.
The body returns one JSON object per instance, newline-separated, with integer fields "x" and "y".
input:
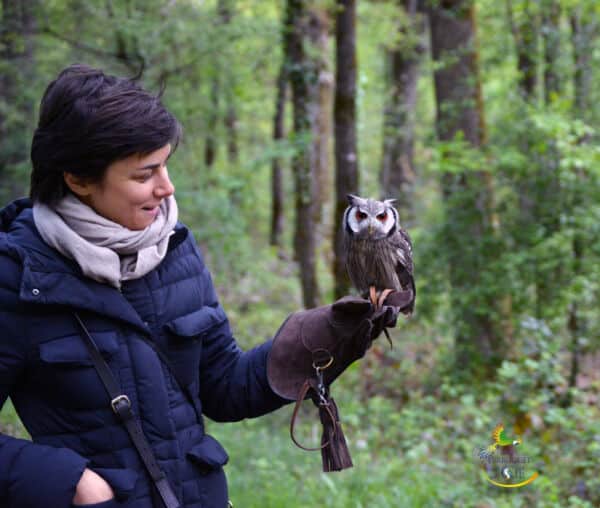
{"x": 142, "y": 220}
{"x": 138, "y": 225}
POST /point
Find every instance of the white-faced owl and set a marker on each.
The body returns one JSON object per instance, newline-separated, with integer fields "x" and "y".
{"x": 379, "y": 252}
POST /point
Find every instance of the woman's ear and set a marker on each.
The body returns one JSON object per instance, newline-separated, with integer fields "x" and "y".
{"x": 79, "y": 186}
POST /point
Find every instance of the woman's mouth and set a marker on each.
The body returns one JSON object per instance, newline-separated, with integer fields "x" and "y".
{"x": 151, "y": 210}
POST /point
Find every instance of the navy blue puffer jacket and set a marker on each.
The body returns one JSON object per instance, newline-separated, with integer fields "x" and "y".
{"x": 46, "y": 371}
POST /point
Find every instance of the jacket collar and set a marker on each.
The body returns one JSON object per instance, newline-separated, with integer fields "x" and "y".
{"x": 48, "y": 278}
{"x": 41, "y": 287}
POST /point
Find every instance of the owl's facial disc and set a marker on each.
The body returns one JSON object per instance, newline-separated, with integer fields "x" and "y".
{"x": 387, "y": 218}
{"x": 357, "y": 219}
{"x": 370, "y": 221}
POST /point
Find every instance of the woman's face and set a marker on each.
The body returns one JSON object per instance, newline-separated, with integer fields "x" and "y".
{"x": 132, "y": 189}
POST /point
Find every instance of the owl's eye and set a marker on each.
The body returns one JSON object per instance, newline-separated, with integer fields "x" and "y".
{"x": 360, "y": 215}
{"x": 382, "y": 216}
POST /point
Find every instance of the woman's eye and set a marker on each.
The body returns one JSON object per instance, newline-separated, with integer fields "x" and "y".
{"x": 143, "y": 178}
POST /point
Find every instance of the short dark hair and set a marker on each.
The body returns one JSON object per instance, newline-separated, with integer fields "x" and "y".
{"x": 88, "y": 120}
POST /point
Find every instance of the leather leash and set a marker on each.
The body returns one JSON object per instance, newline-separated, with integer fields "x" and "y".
{"x": 334, "y": 450}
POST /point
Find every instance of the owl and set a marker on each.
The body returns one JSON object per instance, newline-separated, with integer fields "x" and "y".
{"x": 378, "y": 252}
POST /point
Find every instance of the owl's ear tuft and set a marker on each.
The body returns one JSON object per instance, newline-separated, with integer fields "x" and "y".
{"x": 353, "y": 199}
{"x": 390, "y": 202}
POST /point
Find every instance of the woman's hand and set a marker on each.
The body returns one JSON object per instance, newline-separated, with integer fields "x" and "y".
{"x": 92, "y": 488}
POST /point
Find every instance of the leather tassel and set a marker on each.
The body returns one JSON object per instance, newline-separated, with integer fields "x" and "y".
{"x": 334, "y": 451}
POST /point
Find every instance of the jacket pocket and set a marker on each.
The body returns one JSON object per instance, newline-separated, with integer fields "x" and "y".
{"x": 195, "y": 324}
{"x": 71, "y": 350}
{"x": 184, "y": 341}
{"x": 67, "y": 376}
{"x": 122, "y": 481}
{"x": 208, "y": 455}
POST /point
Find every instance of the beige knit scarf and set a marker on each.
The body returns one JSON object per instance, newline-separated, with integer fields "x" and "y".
{"x": 105, "y": 251}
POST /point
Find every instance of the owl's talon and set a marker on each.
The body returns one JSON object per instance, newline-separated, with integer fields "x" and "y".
{"x": 384, "y": 294}
{"x": 373, "y": 296}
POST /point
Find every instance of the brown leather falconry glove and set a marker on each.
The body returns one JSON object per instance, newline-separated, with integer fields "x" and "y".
{"x": 313, "y": 347}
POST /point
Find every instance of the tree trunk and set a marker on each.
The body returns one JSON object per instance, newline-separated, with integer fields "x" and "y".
{"x": 302, "y": 73}
{"x": 551, "y": 36}
{"x": 575, "y": 322}
{"x": 321, "y": 113}
{"x": 222, "y": 83}
{"x": 346, "y": 154}
{"x": 459, "y": 105}
{"x": 9, "y": 36}
{"x": 583, "y": 28}
{"x": 16, "y": 75}
{"x": 225, "y": 10}
{"x": 231, "y": 128}
{"x": 468, "y": 196}
{"x": 548, "y": 215}
{"x": 402, "y": 62}
{"x": 524, "y": 28}
{"x": 277, "y": 216}
{"x": 210, "y": 144}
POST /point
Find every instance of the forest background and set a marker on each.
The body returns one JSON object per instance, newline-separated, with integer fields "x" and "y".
{"x": 480, "y": 118}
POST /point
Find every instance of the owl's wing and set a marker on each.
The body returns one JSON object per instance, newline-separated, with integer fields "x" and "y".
{"x": 402, "y": 245}
{"x": 400, "y": 240}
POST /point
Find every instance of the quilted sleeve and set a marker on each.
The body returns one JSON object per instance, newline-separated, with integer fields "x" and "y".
{"x": 31, "y": 475}
{"x": 233, "y": 383}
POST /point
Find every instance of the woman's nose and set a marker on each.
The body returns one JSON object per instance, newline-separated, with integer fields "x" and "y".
{"x": 164, "y": 188}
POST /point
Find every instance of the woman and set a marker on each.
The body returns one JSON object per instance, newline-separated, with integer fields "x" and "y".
{"x": 98, "y": 250}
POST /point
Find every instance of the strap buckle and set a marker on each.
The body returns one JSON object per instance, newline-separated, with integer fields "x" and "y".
{"x": 120, "y": 403}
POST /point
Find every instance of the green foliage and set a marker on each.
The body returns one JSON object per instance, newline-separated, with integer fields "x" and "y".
{"x": 9, "y": 421}
{"x": 413, "y": 423}
{"x": 422, "y": 454}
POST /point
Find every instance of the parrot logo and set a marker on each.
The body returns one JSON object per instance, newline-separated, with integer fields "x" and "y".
{"x": 501, "y": 440}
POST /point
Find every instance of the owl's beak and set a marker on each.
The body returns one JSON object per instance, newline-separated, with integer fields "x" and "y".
{"x": 370, "y": 229}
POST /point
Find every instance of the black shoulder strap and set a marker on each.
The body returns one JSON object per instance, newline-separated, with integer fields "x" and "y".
{"x": 121, "y": 405}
